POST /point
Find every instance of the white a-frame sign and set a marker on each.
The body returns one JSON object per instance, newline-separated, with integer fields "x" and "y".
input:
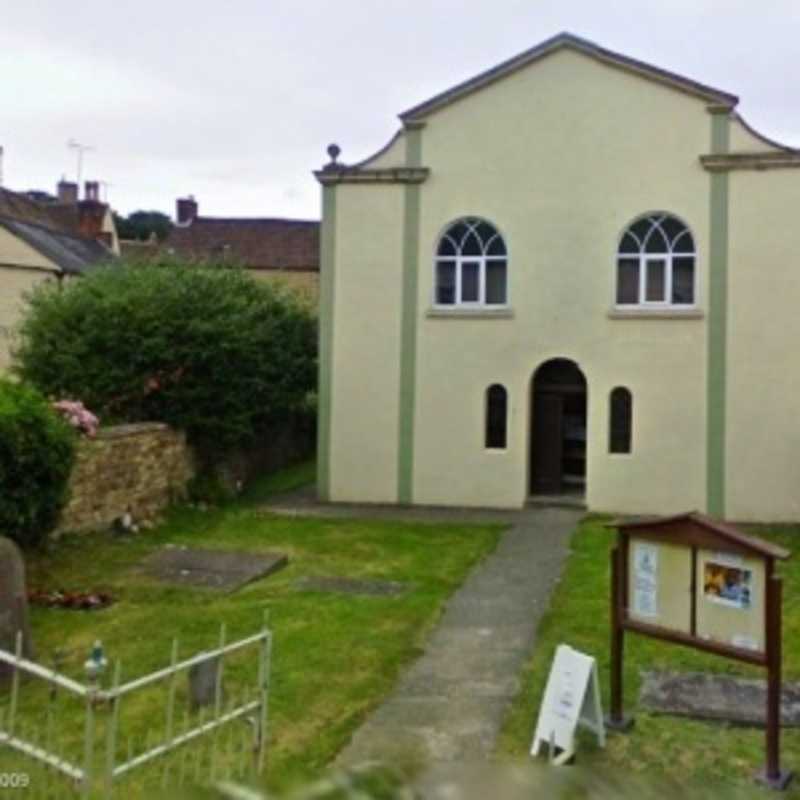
{"x": 572, "y": 698}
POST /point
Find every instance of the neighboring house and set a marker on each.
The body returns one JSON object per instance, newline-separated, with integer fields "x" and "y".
{"x": 48, "y": 238}
{"x": 573, "y": 274}
{"x": 269, "y": 248}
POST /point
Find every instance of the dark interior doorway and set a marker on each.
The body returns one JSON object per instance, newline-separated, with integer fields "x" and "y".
{"x": 558, "y": 429}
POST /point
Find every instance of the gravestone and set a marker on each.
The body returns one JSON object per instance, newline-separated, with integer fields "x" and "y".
{"x": 717, "y": 698}
{"x": 223, "y": 570}
{"x": 203, "y": 682}
{"x": 13, "y": 604}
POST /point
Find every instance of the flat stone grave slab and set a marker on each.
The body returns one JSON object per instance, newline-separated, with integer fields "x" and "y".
{"x": 720, "y": 698}
{"x": 223, "y": 570}
{"x": 356, "y": 586}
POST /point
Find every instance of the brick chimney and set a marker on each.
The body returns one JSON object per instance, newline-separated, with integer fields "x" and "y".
{"x": 91, "y": 212}
{"x": 67, "y": 192}
{"x": 186, "y": 210}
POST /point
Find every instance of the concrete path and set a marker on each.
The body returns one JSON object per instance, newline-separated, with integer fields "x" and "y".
{"x": 450, "y": 704}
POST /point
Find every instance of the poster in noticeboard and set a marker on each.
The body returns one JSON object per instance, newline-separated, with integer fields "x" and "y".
{"x": 730, "y": 592}
{"x": 658, "y": 584}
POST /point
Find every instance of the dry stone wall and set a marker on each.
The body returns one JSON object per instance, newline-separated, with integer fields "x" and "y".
{"x": 141, "y": 468}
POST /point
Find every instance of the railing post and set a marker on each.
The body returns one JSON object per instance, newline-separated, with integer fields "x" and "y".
{"x": 263, "y": 689}
{"x": 111, "y": 740}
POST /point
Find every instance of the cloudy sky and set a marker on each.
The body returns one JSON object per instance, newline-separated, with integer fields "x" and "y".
{"x": 235, "y": 101}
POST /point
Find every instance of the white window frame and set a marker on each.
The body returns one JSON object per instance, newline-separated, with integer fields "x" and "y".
{"x": 482, "y": 260}
{"x": 644, "y": 258}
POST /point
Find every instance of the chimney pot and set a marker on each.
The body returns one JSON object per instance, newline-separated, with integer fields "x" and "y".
{"x": 186, "y": 210}
{"x": 91, "y": 191}
{"x": 67, "y": 192}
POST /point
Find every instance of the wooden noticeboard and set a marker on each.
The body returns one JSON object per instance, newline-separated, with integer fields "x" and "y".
{"x": 695, "y": 581}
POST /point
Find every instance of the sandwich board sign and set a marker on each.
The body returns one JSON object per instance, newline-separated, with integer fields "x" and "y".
{"x": 571, "y": 698}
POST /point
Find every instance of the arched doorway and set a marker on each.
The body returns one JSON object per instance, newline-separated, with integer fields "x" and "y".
{"x": 558, "y": 429}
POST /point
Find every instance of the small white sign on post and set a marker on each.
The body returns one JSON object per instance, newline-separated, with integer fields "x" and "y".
{"x": 571, "y": 698}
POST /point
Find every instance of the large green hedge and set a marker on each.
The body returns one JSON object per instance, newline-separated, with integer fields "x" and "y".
{"x": 208, "y": 350}
{"x": 37, "y": 449}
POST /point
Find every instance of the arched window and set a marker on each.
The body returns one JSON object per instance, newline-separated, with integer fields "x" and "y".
{"x": 496, "y": 417}
{"x": 620, "y": 422}
{"x": 471, "y": 265}
{"x": 656, "y": 263}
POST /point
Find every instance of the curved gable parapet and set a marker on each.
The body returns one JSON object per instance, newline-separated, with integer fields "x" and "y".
{"x": 392, "y": 154}
{"x": 745, "y": 138}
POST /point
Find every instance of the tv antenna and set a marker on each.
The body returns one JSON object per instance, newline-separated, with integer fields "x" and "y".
{"x": 80, "y": 149}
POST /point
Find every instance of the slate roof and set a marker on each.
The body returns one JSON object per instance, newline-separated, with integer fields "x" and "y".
{"x": 51, "y": 229}
{"x": 74, "y": 254}
{"x": 266, "y": 243}
{"x": 570, "y": 41}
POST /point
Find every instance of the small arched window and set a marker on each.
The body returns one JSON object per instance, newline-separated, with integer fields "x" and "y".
{"x": 620, "y": 421}
{"x": 471, "y": 265}
{"x": 496, "y": 417}
{"x": 656, "y": 263}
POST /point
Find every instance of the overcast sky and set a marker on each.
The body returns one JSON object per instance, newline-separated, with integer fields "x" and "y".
{"x": 235, "y": 101}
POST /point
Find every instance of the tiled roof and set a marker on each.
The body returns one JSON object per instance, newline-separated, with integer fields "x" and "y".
{"x": 254, "y": 243}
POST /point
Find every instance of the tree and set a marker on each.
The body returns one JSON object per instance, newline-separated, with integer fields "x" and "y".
{"x": 142, "y": 224}
{"x": 208, "y": 350}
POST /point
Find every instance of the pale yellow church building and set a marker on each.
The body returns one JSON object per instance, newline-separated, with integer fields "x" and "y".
{"x": 574, "y": 276}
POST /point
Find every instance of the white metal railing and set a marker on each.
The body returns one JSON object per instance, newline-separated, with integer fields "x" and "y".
{"x": 89, "y": 775}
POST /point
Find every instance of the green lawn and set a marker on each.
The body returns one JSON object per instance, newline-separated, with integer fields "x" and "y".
{"x": 690, "y": 754}
{"x": 335, "y": 656}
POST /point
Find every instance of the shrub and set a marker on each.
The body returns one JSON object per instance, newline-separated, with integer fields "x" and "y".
{"x": 207, "y": 350}
{"x": 37, "y": 450}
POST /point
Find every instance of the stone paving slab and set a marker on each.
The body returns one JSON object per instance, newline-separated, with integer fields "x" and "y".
{"x": 223, "y": 570}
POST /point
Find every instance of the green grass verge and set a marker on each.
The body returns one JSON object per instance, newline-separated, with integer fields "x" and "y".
{"x": 686, "y": 753}
{"x": 335, "y": 656}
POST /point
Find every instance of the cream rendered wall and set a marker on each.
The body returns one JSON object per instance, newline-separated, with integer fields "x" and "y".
{"x": 21, "y": 268}
{"x": 561, "y": 157}
{"x": 763, "y": 423}
{"x": 366, "y": 343}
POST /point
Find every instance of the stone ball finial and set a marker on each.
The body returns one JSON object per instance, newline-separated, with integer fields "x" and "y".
{"x": 334, "y": 151}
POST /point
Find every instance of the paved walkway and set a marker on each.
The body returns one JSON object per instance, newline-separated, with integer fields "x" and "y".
{"x": 450, "y": 704}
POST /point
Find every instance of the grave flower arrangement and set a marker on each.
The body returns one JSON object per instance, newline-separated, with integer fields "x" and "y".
{"x": 78, "y": 416}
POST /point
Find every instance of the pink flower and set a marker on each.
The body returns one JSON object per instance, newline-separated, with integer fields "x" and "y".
{"x": 77, "y": 415}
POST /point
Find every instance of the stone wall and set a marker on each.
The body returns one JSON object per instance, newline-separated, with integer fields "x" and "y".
{"x": 140, "y": 467}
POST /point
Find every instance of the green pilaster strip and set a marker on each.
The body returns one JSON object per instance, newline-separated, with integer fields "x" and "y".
{"x": 327, "y": 288}
{"x": 408, "y": 322}
{"x": 716, "y": 403}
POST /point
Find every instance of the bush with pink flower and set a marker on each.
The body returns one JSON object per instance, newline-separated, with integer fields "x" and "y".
{"x": 77, "y": 415}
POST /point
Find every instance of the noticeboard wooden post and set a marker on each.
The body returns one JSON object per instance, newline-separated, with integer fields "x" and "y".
{"x": 695, "y": 581}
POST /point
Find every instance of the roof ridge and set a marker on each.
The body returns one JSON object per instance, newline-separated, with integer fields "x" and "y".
{"x": 289, "y": 220}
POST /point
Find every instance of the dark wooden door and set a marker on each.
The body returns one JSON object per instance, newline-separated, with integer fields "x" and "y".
{"x": 547, "y": 444}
